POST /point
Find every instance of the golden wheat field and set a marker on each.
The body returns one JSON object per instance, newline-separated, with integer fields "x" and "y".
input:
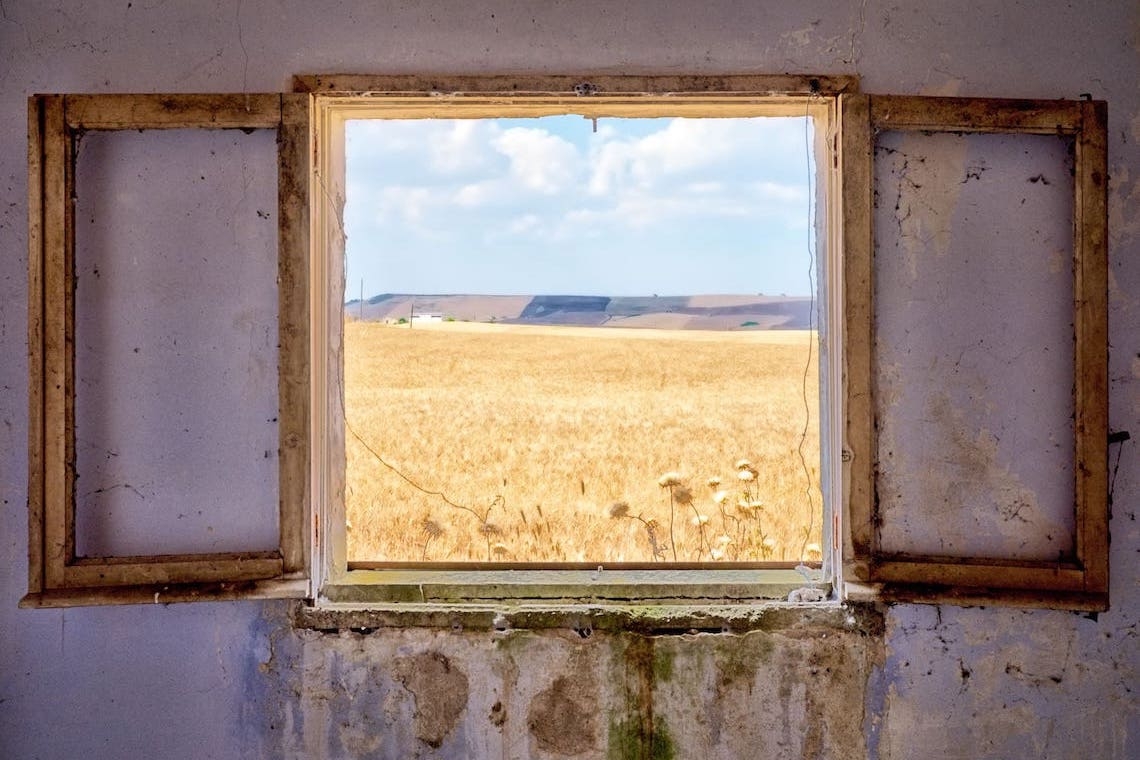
{"x": 576, "y": 444}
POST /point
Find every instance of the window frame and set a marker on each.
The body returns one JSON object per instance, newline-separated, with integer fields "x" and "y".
{"x": 905, "y": 576}
{"x": 338, "y": 97}
{"x": 56, "y": 576}
{"x": 305, "y": 564}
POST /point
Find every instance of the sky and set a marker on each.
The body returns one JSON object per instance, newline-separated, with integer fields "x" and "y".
{"x": 549, "y": 206}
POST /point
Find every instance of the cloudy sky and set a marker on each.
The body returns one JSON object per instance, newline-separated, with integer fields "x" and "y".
{"x": 549, "y": 206}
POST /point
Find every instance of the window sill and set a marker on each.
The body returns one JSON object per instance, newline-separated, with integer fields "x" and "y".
{"x": 656, "y": 586}
{"x": 586, "y": 618}
{"x": 173, "y": 593}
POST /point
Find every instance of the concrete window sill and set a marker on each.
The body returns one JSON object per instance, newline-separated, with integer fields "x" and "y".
{"x": 587, "y": 618}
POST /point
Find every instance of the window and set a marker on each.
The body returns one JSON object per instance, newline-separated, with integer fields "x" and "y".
{"x": 674, "y": 518}
{"x": 904, "y": 426}
{"x": 558, "y": 315}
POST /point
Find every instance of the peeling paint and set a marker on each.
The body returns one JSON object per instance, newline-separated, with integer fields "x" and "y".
{"x": 441, "y": 692}
{"x": 968, "y": 321}
{"x": 1123, "y": 207}
{"x": 562, "y": 718}
{"x": 928, "y": 171}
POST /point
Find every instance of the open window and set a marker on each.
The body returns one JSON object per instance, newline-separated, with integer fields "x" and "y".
{"x": 152, "y": 219}
{"x": 585, "y": 352}
{"x": 960, "y": 306}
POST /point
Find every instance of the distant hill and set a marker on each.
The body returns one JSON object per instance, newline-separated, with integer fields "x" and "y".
{"x": 700, "y": 312}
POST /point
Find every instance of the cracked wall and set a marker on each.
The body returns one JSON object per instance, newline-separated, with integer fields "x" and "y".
{"x": 226, "y": 680}
{"x": 973, "y": 307}
{"x": 778, "y": 692}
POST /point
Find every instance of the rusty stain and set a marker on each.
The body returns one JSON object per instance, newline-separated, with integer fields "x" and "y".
{"x": 440, "y": 690}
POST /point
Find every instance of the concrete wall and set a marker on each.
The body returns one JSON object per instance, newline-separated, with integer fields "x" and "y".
{"x": 237, "y": 680}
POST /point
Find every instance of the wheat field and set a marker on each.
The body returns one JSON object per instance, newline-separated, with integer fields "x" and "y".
{"x": 513, "y": 443}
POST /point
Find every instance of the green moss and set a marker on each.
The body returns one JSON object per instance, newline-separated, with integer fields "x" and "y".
{"x": 662, "y": 664}
{"x": 513, "y": 641}
{"x": 738, "y": 658}
{"x": 629, "y": 740}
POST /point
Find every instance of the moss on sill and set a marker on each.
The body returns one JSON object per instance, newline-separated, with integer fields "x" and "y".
{"x": 586, "y": 619}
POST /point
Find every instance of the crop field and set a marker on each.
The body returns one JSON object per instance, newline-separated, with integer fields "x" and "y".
{"x": 513, "y": 443}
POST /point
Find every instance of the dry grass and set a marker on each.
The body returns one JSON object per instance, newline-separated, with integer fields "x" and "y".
{"x": 542, "y": 433}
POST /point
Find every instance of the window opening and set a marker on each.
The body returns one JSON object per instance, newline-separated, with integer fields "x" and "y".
{"x": 566, "y": 346}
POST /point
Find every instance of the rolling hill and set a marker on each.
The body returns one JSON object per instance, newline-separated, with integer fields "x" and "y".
{"x": 699, "y": 312}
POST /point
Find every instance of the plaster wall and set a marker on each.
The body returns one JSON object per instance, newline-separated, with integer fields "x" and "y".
{"x": 237, "y": 680}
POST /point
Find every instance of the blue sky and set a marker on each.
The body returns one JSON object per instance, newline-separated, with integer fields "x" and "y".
{"x": 549, "y": 206}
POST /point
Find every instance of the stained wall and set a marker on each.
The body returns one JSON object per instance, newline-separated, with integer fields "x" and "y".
{"x": 239, "y": 680}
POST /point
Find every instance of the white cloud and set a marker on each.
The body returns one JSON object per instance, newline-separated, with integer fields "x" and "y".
{"x": 704, "y": 188}
{"x": 565, "y": 192}
{"x": 688, "y": 147}
{"x": 775, "y": 191}
{"x": 461, "y": 146}
{"x": 405, "y": 202}
{"x": 480, "y": 193}
{"x": 539, "y": 160}
{"x": 524, "y": 224}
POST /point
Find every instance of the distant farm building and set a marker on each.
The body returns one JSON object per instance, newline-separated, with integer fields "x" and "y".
{"x": 426, "y": 318}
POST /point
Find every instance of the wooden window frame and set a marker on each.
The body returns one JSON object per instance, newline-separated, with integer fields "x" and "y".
{"x": 56, "y": 576}
{"x": 1081, "y": 583}
{"x": 307, "y": 564}
{"x": 339, "y": 96}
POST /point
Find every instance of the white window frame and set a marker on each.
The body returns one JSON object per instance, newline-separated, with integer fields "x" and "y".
{"x": 337, "y": 99}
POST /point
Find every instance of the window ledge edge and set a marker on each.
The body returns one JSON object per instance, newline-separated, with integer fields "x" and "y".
{"x": 646, "y": 618}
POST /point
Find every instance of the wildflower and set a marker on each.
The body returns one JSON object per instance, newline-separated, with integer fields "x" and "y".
{"x": 814, "y": 549}
{"x": 743, "y": 464}
{"x": 716, "y": 553}
{"x": 669, "y": 479}
{"x": 746, "y": 475}
{"x": 431, "y": 528}
{"x": 713, "y": 482}
{"x": 683, "y": 495}
{"x": 720, "y": 496}
{"x": 699, "y": 519}
{"x": 768, "y": 543}
{"x": 618, "y": 509}
{"x": 490, "y": 529}
{"x": 724, "y": 540}
{"x": 499, "y": 549}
